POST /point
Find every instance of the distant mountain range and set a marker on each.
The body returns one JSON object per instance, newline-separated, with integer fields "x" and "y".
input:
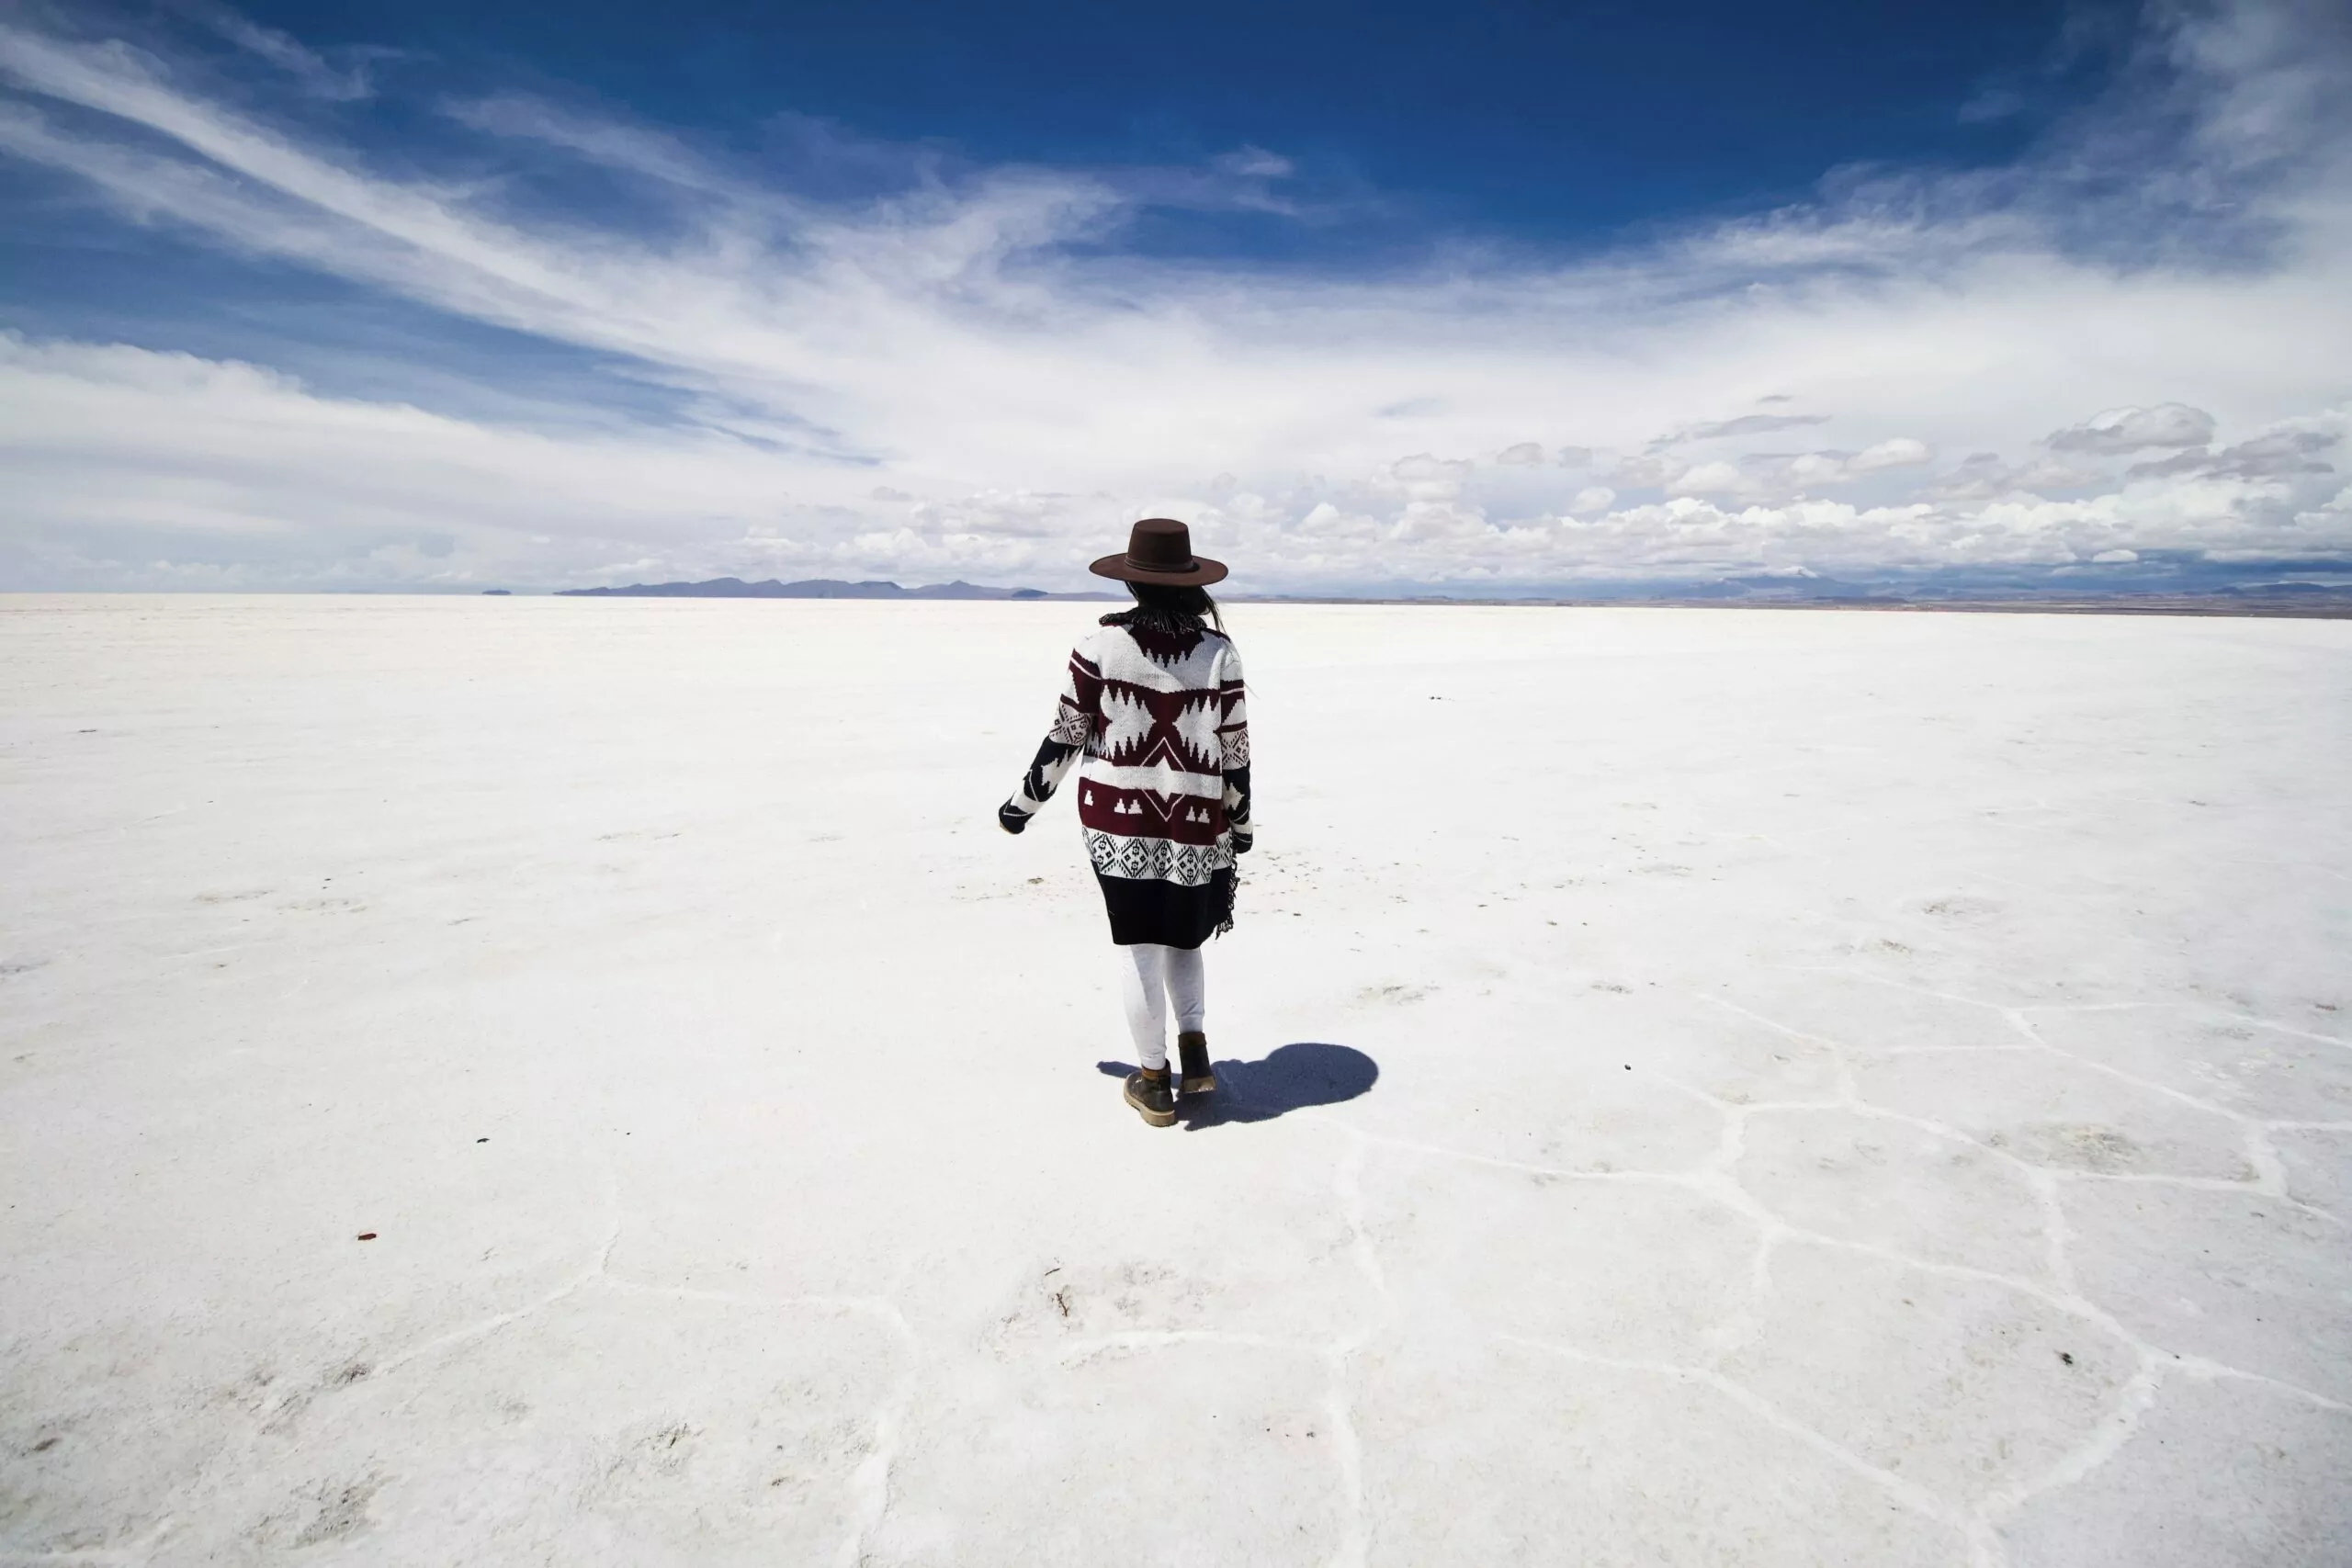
{"x": 813, "y": 588}
{"x": 2159, "y": 582}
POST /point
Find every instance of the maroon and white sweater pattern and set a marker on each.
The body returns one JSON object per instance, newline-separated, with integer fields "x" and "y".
{"x": 1158, "y": 711}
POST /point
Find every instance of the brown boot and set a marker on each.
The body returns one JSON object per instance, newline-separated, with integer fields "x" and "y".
{"x": 1151, "y": 1093}
{"x": 1192, "y": 1054}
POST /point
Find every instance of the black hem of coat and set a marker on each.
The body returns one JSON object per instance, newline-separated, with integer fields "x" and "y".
{"x": 1168, "y": 913}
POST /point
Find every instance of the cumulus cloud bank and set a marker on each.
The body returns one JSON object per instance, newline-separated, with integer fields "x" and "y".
{"x": 2138, "y": 338}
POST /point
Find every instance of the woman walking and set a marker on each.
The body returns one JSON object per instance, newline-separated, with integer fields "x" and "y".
{"x": 1154, "y": 701}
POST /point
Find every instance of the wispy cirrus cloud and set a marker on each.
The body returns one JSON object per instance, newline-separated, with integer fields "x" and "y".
{"x": 312, "y": 73}
{"x": 1746, "y": 425}
{"x": 926, "y": 367}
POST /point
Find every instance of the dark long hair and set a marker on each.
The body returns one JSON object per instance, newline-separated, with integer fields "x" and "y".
{"x": 1173, "y": 600}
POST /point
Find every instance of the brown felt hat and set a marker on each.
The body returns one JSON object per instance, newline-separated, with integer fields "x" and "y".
{"x": 1160, "y": 549}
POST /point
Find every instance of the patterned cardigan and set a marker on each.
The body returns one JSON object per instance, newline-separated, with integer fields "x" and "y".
{"x": 1156, "y": 704}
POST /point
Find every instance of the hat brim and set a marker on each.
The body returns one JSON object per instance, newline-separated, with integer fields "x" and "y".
{"x": 1202, "y": 572}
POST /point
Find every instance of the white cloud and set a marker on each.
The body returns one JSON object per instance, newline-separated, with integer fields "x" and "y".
{"x": 1748, "y": 424}
{"x": 2135, "y": 430}
{"x": 2280, "y": 453}
{"x": 962, "y": 376}
{"x": 1423, "y": 478}
{"x": 1256, "y": 163}
{"x": 311, "y": 70}
{"x": 1648, "y": 471}
{"x": 1983, "y": 475}
{"x": 1895, "y": 452}
{"x": 1704, "y": 478}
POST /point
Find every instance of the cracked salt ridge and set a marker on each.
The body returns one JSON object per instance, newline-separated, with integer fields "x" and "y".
{"x": 2270, "y": 1177}
{"x": 870, "y": 1484}
{"x": 871, "y": 1481}
{"x": 1347, "y": 1187}
{"x": 1979, "y": 1525}
{"x": 1714, "y": 1180}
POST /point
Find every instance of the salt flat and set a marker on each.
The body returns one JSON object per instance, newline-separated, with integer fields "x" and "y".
{"x": 1708, "y": 1088}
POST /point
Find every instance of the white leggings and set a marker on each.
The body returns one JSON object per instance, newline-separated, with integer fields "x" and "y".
{"x": 1153, "y": 977}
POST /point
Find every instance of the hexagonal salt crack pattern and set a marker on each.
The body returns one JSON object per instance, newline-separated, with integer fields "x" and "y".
{"x": 1966, "y": 1387}
{"x": 1590, "y": 1104}
{"x": 729, "y": 1433}
{"x": 2051, "y": 1111}
{"x": 1897, "y": 1185}
{"x": 2237, "y": 1064}
{"x": 1712, "y": 1049}
{"x": 2225, "y": 1474}
{"x": 2318, "y": 1167}
{"x": 1632, "y": 1267}
{"x": 1872, "y": 1015}
{"x": 2244, "y": 1279}
{"x": 1509, "y": 1454}
{"x": 1226, "y": 1237}
{"x": 1046, "y": 1461}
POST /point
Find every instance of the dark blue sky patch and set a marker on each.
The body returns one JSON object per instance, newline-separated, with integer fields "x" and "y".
{"x": 1559, "y": 121}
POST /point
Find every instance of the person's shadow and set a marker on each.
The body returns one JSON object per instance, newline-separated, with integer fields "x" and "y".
{"x": 1292, "y": 1078}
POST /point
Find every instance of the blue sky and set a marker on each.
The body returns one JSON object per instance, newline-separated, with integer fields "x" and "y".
{"x": 1478, "y": 297}
{"x": 1521, "y": 120}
